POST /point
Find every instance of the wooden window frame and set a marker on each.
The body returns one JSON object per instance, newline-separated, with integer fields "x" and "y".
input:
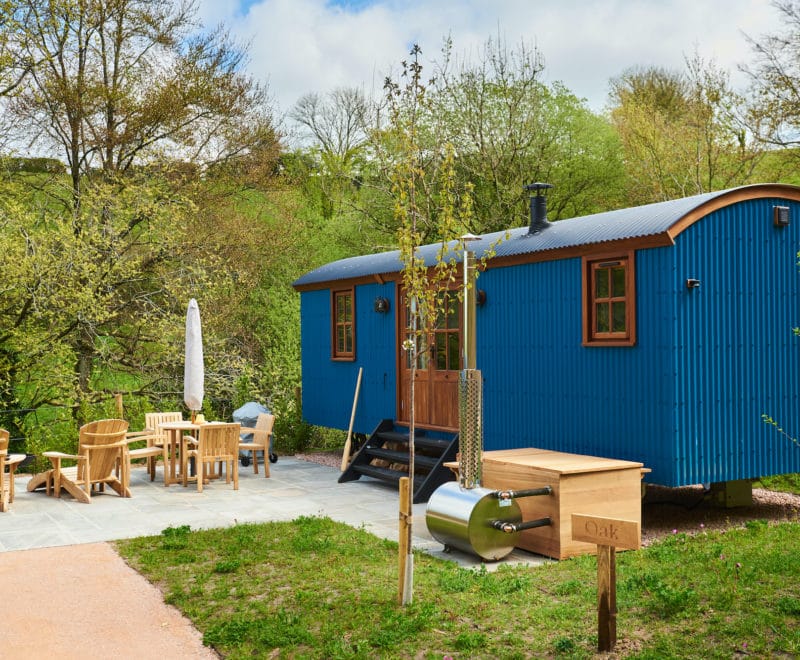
{"x": 336, "y": 354}
{"x": 450, "y": 297}
{"x": 590, "y": 336}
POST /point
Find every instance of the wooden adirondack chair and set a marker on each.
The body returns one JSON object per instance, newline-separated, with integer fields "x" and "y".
{"x": 101, "y": 448}
{"x": 154, "y": 437}
{"x": 260, "y": 442}
{"x": 216, "y": 443}
{"x": 8, "y": 464}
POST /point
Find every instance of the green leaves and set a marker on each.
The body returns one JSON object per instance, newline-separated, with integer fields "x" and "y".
{"x": 682, "y": 132}
{"x": 94, "y": 298}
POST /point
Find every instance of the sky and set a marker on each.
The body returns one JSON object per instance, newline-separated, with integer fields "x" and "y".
{"x": 301, "y": 46}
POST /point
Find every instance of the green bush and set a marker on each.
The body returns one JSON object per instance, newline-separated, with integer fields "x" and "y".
{"x": 33, "y": 165}
{"x": 291, "y": 435}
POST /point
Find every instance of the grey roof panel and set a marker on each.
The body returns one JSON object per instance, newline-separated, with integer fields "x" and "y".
{"x": 634, "y": 222}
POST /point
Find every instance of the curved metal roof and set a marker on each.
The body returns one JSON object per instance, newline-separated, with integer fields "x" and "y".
{"x": 665, "y": 219}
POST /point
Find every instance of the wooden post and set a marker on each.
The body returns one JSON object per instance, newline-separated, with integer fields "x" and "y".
{"x": 609, "y": 534}
{"x": 347, "y": 444}
{"x": 606, "y": 597}
{"x": 118, "y": 400}
{"x": 405, "y": 514}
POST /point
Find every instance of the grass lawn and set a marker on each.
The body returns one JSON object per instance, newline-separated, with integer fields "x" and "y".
{"x": 315, "y": 588}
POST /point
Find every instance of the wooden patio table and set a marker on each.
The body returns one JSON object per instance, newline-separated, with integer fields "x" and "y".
{"x": 175, "y": 435}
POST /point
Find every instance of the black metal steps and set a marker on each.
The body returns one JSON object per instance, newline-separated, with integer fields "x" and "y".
{"x": 384, "y": 474}
{"x": 421, "y": 441}
{"x": 385, "y": 456}
{"x": 420, "y": 460}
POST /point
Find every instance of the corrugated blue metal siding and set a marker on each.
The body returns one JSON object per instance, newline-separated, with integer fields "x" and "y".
{"x": 328, "y": 386}
{"x": 736, "y": 356}
{"x": 544, "y": 389}
{"x": 687, "y": 400}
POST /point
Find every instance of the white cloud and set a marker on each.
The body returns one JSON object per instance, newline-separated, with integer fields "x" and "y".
{"x": 300, "y": 46}
{"x": 305, "y": 46}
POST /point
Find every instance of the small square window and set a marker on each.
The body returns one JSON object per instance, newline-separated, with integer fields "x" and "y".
{"x": 609, "y": 301}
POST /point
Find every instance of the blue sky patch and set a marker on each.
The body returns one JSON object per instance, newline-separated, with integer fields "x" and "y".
{"x": 347, "y": 5}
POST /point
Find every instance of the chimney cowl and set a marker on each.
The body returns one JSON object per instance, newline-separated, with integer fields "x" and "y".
{"x": 538, "y": 207}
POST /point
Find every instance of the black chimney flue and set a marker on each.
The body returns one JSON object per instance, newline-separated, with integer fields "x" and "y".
{"x": 539, "y": 219}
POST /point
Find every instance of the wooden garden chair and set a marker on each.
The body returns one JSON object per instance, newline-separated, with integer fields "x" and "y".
{"x": 260, "y": 442}
{"x": 156, "y": 445}
{"x": 102, "y": 448}
{"x": 216, "y": 443}
{"x": 8, "y": 465}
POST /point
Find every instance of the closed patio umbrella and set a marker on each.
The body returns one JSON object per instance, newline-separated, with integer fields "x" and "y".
{"x": 193, "y": 373}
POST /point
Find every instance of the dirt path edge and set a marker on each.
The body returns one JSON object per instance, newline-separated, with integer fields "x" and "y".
{"x": 84, "y": 601}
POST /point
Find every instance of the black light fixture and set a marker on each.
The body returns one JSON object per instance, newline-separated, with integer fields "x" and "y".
{"x": 780, "y": 216}
{"x": 381, "y": 305}
{"x": 480, "y": 297}
{"x": 692, "y": 283}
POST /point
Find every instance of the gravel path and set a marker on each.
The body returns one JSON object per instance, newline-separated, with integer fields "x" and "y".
{"x": 667, "y": 511}
{"x": 84, "y": 601}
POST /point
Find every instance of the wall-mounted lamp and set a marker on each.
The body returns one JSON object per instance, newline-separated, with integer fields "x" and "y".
{"x": 780, "y": 216}
{"x": 381, "y": 305}
{"x": 480, "y": 297}
{"x": 692, "y": 283}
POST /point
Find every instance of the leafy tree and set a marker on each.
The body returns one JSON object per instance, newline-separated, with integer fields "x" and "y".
{"x": 507, "y": 129}
{"x": 510, "y": 129}
{"x": 425, "y": 286}
{"x": 92, "y": 312}
{"x": 139, "y": 105}
{"x": 683, "y": 133}
{"x": 775, "y": 112}
{"x": 336, "y": 125}
{"x": 123, "y": 82}
{"x": 14, "y": 66}
{"x": 406, "y": 104}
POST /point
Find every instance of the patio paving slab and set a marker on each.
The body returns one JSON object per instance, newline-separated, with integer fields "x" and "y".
{"x": 295, "y": 488}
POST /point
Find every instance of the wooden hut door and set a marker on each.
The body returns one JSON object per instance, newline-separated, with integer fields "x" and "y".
{"x": 438, "y": 365}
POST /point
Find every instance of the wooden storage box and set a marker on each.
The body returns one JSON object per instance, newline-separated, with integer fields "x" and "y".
{"x": 581, "y": 484}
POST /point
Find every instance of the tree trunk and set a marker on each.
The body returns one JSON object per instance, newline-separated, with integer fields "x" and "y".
{"x": 83, "y": 368}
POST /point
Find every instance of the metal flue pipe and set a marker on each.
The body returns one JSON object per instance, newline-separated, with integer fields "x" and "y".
{"x": 468, "y": 286}
{"x": 470, "y": 399}
{"x": 538, "y": 207}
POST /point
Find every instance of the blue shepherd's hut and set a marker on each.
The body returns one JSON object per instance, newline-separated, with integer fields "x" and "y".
{"x": 661, "y": 334}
